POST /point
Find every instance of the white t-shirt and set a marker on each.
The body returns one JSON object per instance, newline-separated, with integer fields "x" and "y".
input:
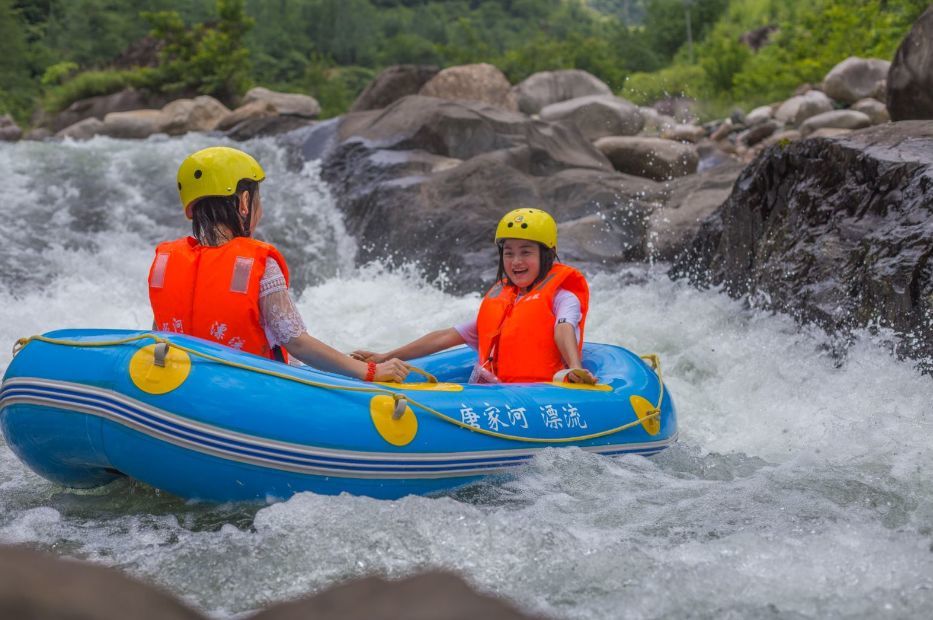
{"x": 566, "y": 306}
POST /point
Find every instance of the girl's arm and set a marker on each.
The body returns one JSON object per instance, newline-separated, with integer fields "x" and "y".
{"x": 315, "y": 353}
{"x": 426, "y": 345}
{"x": 565, "y": 338}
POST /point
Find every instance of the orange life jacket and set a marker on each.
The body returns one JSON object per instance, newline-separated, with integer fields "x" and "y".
{"x": 516, "y": 337}
{"x": 213, "y": 292}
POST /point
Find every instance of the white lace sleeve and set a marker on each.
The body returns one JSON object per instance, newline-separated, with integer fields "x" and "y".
{"x": 278, "y": 315}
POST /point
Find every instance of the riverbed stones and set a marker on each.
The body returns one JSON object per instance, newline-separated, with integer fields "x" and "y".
{"x": 758, "y": 132}
{"x": 199, "y": 114}
{"x": 546, "y": 87}
{"x": 759, "y": 115}
{"x": 9, "y": 130}
{"x": 652, "y": 158}
{"x": 250, "y": 111}
{"x": 838, "y": 231}
{"x": 37, "y": 586}
{"x": 482, "y": 83}
{"x": 910, "y": 80}
{"x": 286, "y": 104}
{"x": 856, "y": 78}
{"x": 837, "y": 119}
{"x": 98, "y": 107}
{"x": 797, "y": 109}
{"x": 134, "y": 124}
{"x": 684, "y": 133}
{"x": 392, "y": 84}
{"x": 873, "y": 109}
{"x": 597, "y": 116}
{"x": 82, "y": 130}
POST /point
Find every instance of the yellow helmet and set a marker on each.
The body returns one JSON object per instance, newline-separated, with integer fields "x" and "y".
{"x": 214, "y": 171}
{"x": 531, "y": 224}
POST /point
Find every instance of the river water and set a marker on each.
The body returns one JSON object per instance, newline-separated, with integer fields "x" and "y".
{"x": 802, "y": 485}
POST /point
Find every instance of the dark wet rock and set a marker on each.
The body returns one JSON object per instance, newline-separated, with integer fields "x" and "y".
{"x": 652, "y": 158}
{"x": 837, "y": 119}
{"x": 687, "y": 202}
{"x": 430, "y": 596}
{"x": 481, "y": 83}
{"x": 597, "y": 116}
{"x": 392, "y": 84}
{"x": 99, "y": 107}
{"x": 910, "y": 80}
{"x": 267, "y": 126}
{"x": 856, "y": 78}
{"x": 427, "y": 179}
{"x": 546, "y": 87}
{"x": 838, "y": 231}
{"x": 36, "y": 586}
{"x": 9, "y": 130}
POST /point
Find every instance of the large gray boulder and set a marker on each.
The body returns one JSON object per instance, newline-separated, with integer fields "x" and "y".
{"x": 652, "y": 158}
{"x": 135, "y": 124}
{"x": 36, "y": 586}
{"x": 759, "y": 115}
{"x": 9, "y": 130}
{"x": 837, "y": 119}
{"x": 248, "y": 111}
{"x": 427, "y": 179}
{"x": 392, "y": 84}
{"x": 481, "y": 83}
{"x": 797, "y": 109}
{"x": 546, "y": 87}
{"x": 429, "y": 596}
{"x": 910, "y": 80}
{"x": 836, "y": 230}
{"x": 856, "y": 78}
{"x": 287, "y": 104}
{"x": 597, "y": 116}
{"x": 199, "y": 114}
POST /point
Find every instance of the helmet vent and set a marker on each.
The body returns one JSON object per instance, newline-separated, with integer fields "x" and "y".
{"x": 511, "y": 224}
{"x": 524, "y": 225}
{"x": 197, "y": 174}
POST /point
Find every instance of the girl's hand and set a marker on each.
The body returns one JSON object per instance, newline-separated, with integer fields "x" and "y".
{"x": 392, "y": 371}
{"x": 580, "y": 375}
{"x": 368, "y": 356}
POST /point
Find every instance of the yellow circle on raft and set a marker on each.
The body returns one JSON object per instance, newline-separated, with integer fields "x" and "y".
{"x": 399, "y": 432}
{"x": 154, "y": 379}
{"x": 644, "y": 407}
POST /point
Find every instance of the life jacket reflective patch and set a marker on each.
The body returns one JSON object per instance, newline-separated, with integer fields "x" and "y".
{"x": 516, "y": 335}
{"x": 213, "y": 292}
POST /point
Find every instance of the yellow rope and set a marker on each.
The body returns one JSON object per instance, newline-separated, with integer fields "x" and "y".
{"x": 22, "y": 342}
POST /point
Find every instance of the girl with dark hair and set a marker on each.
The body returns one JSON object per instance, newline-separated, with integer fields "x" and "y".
{"x": 223, "y": 285}
{"x": 530, "y": 324}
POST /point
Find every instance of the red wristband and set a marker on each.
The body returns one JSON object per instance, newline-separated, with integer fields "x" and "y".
{"x": 370, "y": 371}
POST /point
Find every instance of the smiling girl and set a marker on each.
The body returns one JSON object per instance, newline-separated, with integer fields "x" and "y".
{"x": 530, "y": 324}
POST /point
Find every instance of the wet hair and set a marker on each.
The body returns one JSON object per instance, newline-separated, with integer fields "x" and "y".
{"x": 548, "y": 256}
{"x": 212, "y": 211}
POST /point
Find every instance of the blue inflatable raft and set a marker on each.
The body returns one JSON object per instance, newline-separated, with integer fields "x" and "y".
{"x": 204, "y": 421}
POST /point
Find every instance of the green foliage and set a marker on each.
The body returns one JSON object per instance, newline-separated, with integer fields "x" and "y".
{"x": 58, "y": 73}
{"x": 679, "y": 80}
{"x": 335, "y": 88}
{"x": 204, "y": 59}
